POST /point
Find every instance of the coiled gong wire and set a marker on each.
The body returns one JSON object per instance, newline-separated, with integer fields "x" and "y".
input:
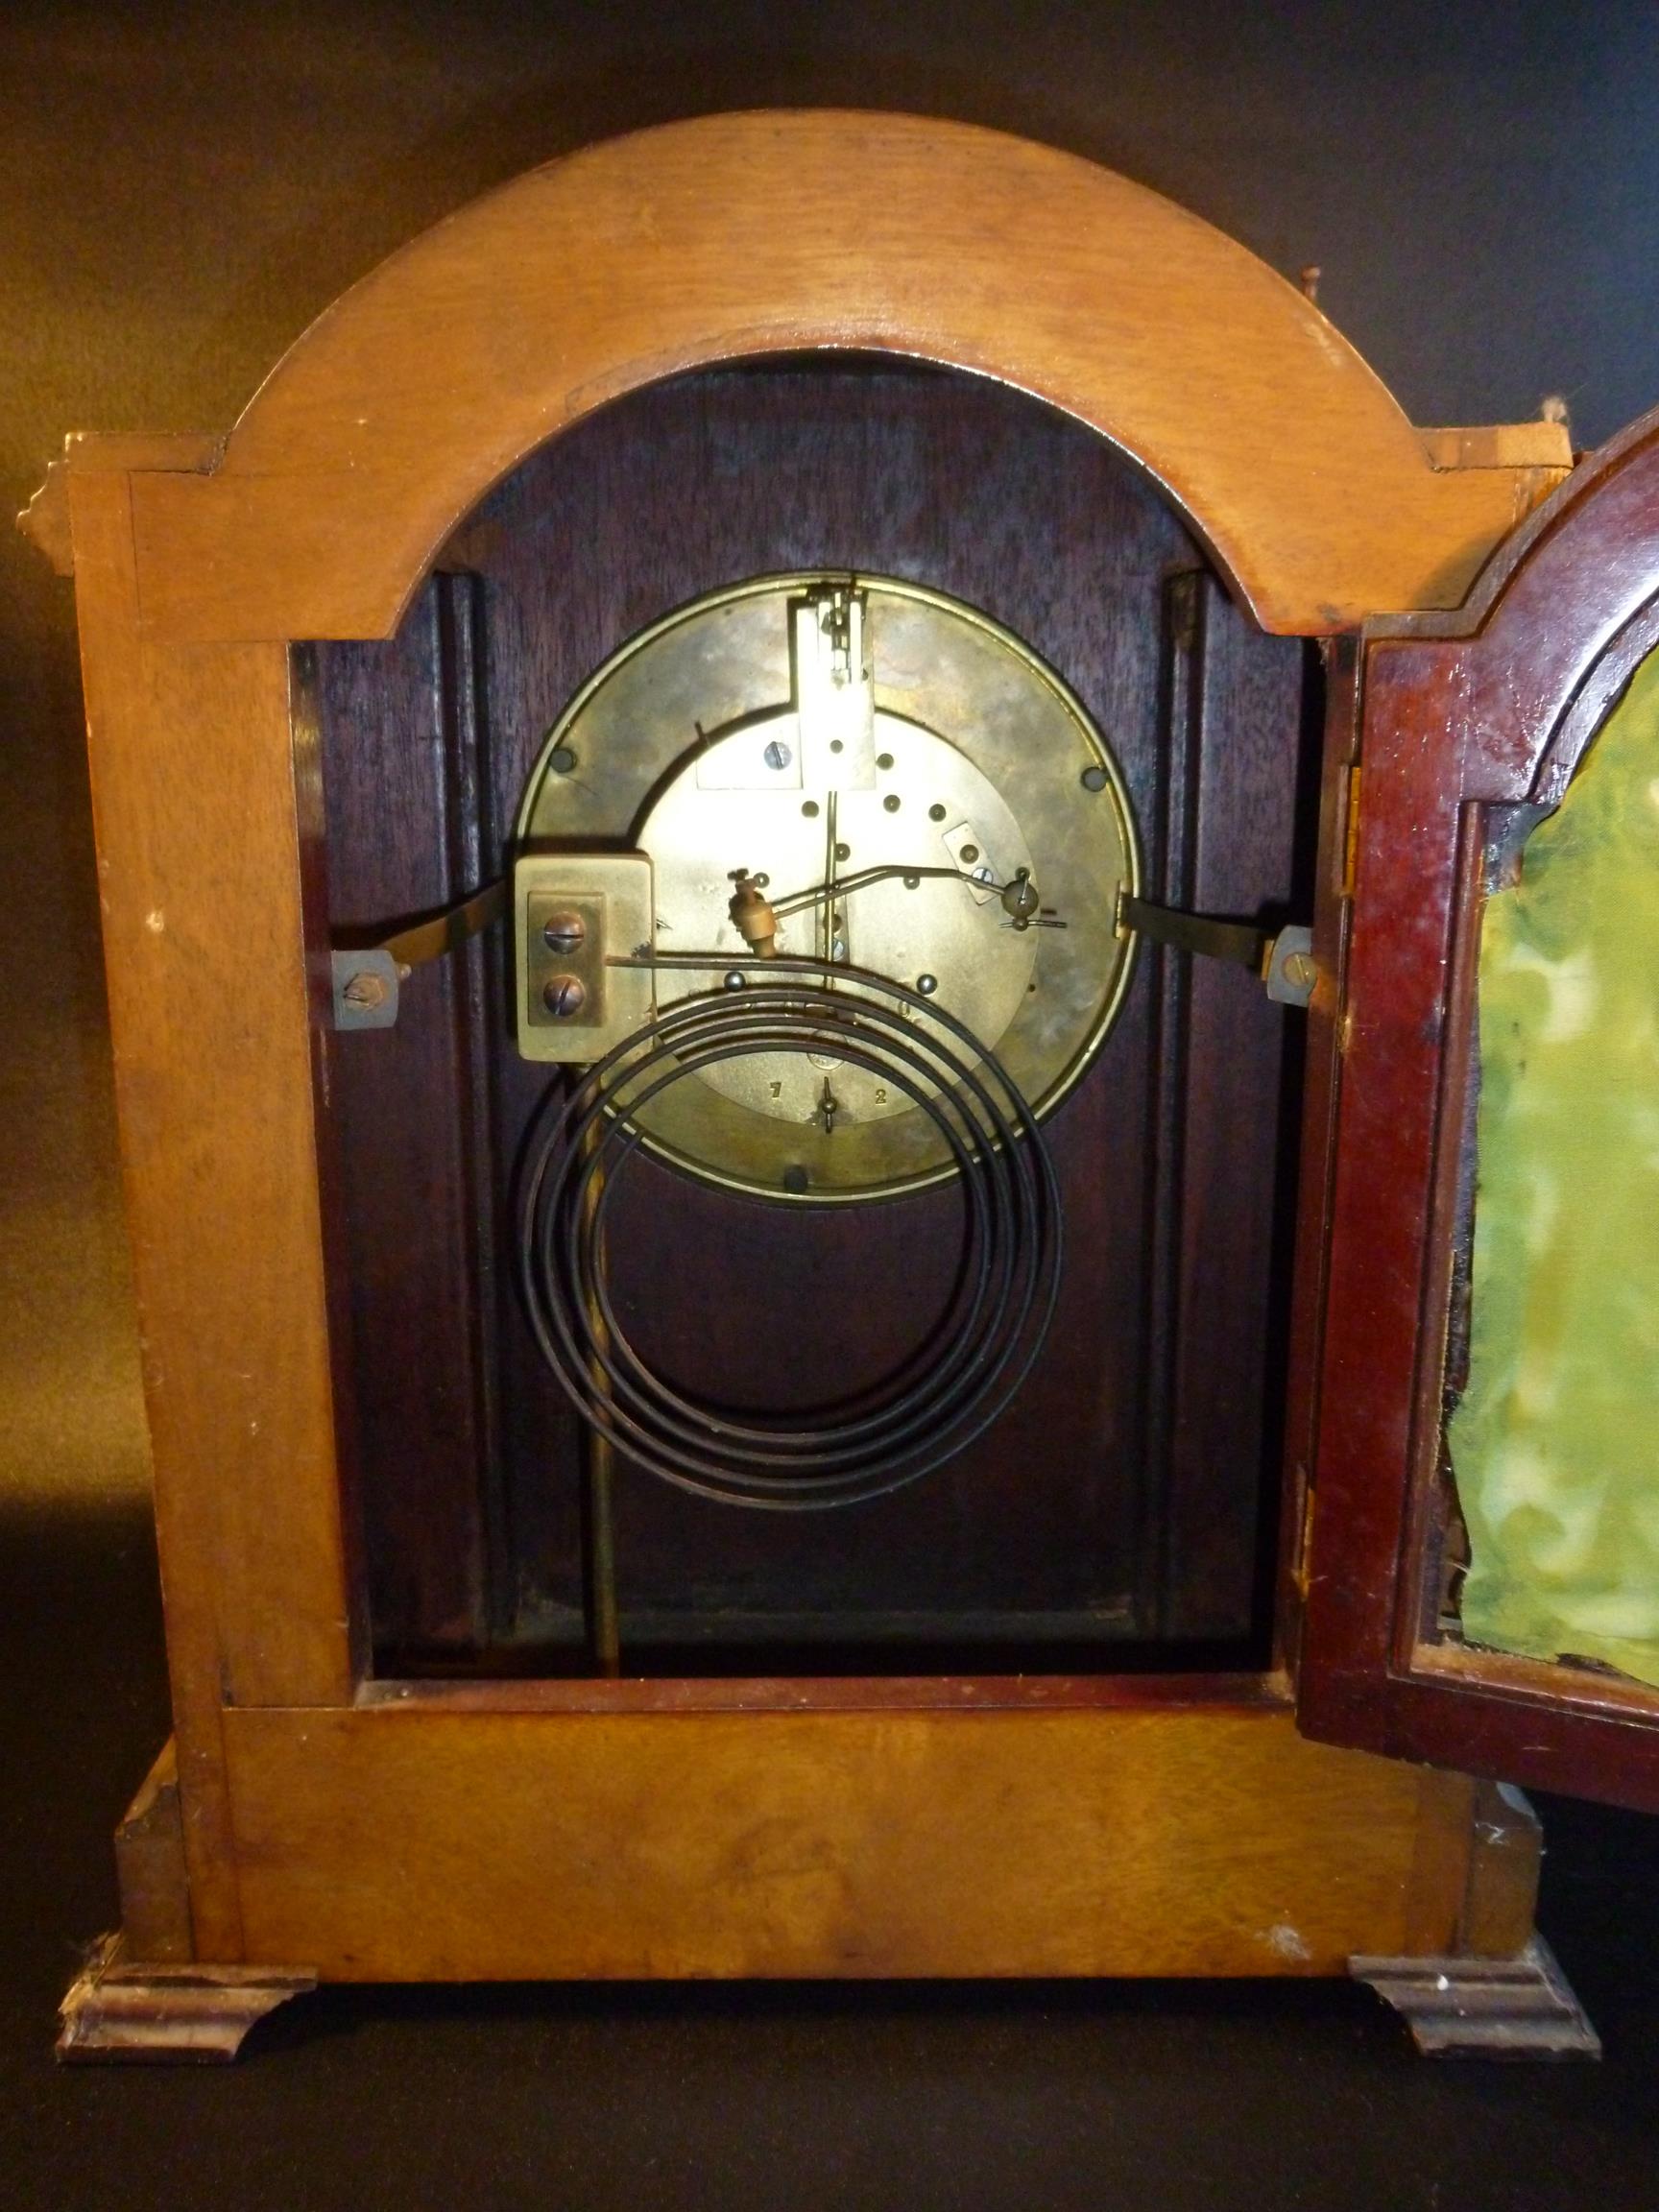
{"x": 1006, "y": 1288}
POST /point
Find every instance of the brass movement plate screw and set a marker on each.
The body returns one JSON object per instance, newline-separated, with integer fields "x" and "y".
{"x": 564, "y": 996}
{"x": 564, "y": 933}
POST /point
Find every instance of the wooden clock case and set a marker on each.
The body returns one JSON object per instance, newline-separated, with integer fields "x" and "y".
{"x": 338, "y": 1805}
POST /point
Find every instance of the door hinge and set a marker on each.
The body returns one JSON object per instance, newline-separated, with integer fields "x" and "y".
{"x": 1351, "y": 835}
{"x": 1302, "y": 1564}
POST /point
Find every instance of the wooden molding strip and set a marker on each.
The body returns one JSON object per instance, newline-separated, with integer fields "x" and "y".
{"x": 136, "y": 2009}
{"x": 1520, "y": 2007}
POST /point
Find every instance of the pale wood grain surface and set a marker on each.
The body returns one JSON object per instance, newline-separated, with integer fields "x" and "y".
{"x": 738, "y": 235}
{"x": 198, "y": 865}
{"x": 388, "y": 1845}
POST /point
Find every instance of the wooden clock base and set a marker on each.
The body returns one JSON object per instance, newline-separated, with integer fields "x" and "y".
{"x": 1216, "y": 1842}
{"x": 121, "y": 2010}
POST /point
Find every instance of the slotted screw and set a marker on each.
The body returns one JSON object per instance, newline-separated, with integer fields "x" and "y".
{"x": 564, "y": 996}
{"x": 563, "y": 932}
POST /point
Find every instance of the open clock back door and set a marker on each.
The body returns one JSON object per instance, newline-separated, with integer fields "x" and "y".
{"x": 1481, "y": 1565}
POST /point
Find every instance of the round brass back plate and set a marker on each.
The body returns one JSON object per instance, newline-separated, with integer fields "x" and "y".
{"x": 727, "y": 739}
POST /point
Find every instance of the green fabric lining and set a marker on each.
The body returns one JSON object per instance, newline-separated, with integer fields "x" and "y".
{"x": 1555, "y": 1443}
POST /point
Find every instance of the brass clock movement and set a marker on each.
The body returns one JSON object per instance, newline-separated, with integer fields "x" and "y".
{"x": 846, "y": 771}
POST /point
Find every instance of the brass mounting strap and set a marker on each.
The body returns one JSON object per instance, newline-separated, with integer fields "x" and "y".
{"x": 1239, "y": 942}
{"x": 367, "y": 976}
{"x": 1284, "y": 962}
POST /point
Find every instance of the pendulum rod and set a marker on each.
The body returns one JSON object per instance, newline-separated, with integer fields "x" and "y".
{"x": 598, "y": 1474}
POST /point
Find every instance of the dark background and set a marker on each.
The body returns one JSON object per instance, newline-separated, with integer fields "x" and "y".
{"x": 182, "y": 190}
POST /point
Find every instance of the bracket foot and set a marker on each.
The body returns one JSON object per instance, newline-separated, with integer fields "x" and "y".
{"x": 1519, "y": 2007}
{"x": 136, "y": 2009}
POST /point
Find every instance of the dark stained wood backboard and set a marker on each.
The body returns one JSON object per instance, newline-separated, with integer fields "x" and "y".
{"x": 1121, "y": 1499}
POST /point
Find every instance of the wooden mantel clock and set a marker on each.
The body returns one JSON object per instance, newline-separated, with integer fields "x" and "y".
{"x": 800, "y": 843}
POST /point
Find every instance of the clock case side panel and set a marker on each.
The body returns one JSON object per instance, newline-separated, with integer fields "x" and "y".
{"x": 203, "y": 859}
{"x": 1466, "y": 719}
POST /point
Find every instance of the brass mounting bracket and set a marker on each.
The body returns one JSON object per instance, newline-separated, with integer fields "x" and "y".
{"x": 1284, "y": 962}
{"x": 366, "y": 978}
{"x": 572, "y": 912}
